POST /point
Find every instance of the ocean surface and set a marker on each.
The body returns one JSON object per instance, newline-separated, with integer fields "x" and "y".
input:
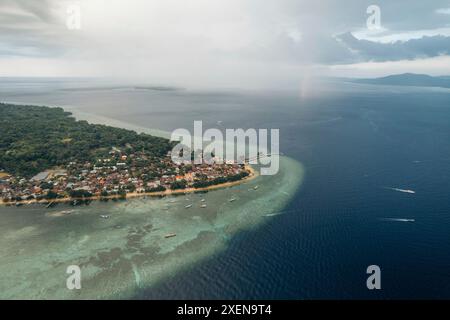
{"x": 361, "y": 146}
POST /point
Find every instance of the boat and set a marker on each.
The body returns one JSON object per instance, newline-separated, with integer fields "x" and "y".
{"x": 203, "y": 206}
{"x": 255, "y": 187}
{"x": 188, "y": 206}
{"x": 170, "y": 235}
{"x": 104, "y": 216}
{"x": 272, "y": 214}
{"x": 66, "y": 212}
{"x": 232, "y": 199}
{"x": 398, "y": 219}
{"x": 203, "y": 200}
{"x": 50, "y": 204}
{"x": 401, "y": 190}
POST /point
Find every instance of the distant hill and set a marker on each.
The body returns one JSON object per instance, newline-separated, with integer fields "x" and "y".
{"x": 409, "y": 79}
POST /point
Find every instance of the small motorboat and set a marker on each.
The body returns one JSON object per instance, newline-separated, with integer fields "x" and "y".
{"x": 170, "y": 235}
{"x": 188, "y": 206}
{"x": 66, "y": 212}
{"x": 104, "y": 216}
{"x": 51, "y": 204}
{"x": 203, "y": 206}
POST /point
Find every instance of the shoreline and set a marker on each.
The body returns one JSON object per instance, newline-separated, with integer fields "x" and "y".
{"x": 79, "y": 115}
{"x": 252, "y": 175}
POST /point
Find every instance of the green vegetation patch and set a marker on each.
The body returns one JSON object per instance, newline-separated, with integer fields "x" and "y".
{"x": 36, "y": 138}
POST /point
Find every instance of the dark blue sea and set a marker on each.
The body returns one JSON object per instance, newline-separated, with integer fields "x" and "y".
{"x": 360, "y": 145}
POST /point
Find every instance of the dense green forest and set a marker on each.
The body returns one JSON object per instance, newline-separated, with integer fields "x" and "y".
{"x": 35, "y": 138}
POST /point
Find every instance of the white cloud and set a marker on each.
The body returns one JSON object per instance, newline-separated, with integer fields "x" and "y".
{"x": 443, "y": 11}
{"x": 198, "y": 42}
{"x": 391, "y": 37}
{"x": 295, "y": 34}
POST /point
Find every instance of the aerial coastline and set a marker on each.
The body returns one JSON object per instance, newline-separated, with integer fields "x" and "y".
{"x": 252, "y": 175}
{"x": 50, "y": 157}
{"x": 128, "y": 251}
{"x": 107, "y": 229}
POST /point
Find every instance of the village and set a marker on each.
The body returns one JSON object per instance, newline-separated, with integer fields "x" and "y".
{"x": 119, "y": 173}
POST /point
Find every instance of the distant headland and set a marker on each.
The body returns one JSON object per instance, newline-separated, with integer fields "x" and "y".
{"x": 409, "y": 79}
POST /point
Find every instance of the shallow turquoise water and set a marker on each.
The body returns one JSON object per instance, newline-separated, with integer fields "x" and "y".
{"x": 129, "y": 251}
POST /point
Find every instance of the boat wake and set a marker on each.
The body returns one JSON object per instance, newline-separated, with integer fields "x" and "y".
{"x": 273, "y": 214}
{"x": 397, "y": 219}
{"x": 400, "y": 190}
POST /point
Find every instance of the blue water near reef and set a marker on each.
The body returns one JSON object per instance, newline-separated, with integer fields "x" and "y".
{"x": 356, "y": 142}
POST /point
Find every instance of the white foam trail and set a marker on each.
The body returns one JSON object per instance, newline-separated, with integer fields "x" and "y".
{"x": 401, "y": 190}
{"x": 137, "y": 277}
{"x": 398, "y": 219}
{"x": 273, "y": 214}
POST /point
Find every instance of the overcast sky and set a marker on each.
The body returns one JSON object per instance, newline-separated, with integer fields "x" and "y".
{"x": 223, "y": 42}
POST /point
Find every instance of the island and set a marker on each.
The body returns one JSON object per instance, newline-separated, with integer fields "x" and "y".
{"x": 48, "y": 156}
{"x": 409, "y": 80}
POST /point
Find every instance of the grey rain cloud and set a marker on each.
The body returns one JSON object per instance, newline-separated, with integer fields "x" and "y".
{"x": 425, "y": 47}
{"x": 30, "y": 28}
{"x": 176, "y": 39}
